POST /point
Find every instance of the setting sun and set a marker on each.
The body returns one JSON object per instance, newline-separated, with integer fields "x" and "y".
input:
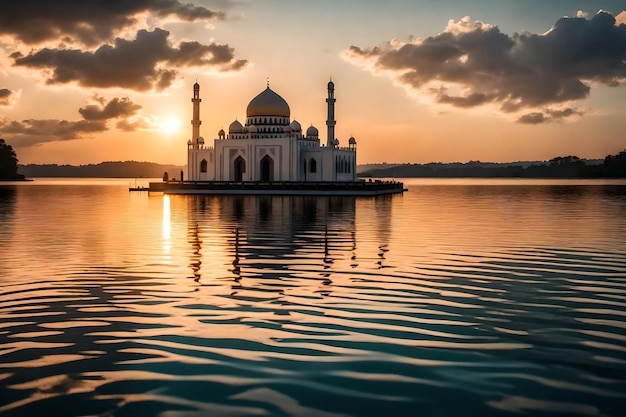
{"x": 170, "y": 126}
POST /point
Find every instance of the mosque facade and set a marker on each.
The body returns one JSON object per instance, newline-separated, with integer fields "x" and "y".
{"x": 270, "y": 146}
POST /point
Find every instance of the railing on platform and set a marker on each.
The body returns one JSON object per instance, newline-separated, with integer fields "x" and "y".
{"x": 281, "y": 187}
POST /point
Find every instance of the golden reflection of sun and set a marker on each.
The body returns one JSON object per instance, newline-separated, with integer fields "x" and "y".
{"x": 166, "y": 224}
{"x": 170, "y": 126}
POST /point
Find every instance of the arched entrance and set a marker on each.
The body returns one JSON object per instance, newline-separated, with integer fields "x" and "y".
{"x": 267, "y": 168}
{"x": 239, "y": 167}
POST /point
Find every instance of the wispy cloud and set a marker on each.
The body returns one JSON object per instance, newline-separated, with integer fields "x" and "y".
{"x": 6, "y": 97}
{"x": 548, "y": 115}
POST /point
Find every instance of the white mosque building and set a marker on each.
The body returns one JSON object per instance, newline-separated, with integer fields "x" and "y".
{"x": 270, "y": 146}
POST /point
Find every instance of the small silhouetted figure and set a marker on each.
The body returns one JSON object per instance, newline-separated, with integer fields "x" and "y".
{"x": 182, "y": 178}
{"x": 166, "y": 177}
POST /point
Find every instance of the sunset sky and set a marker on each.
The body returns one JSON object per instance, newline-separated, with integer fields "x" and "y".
{"x": 415, "y": 80}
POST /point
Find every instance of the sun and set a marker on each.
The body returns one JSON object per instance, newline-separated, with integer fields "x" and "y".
{"x": 170, "y": 126}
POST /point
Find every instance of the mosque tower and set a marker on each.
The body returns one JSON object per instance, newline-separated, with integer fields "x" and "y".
{"x": 195, "y": 122}
{"x": 330, "y": 122}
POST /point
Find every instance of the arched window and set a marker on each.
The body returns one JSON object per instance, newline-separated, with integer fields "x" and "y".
{"x": 265, "y": 120}
{"x": 313, "y": 165}
{"x": 267, "y": 168}
{"x": 203, "y": 165}
{"x": 239, "y": 167}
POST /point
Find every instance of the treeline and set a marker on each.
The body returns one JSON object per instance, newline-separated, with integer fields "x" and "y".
{"x": 8, "y": 162}
{"x": 613, "y": 166}
{"x": 120, "y": 169}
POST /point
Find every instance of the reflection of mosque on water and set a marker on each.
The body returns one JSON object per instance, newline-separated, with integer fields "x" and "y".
{"x": 277, "y": 236}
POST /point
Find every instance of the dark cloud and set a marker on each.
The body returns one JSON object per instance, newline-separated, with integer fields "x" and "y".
{"x": 196, "y": 54}
{"x": 88, "y": 21}
{"x": 533, "y": 118}
{"x": 6, "y": 96}
{"x": 34, "y": 132}
{"x": 133, "y": 64}
{"x": 115, "y": 108}
{"x": 471, "y": 64}
{"x": 548, "y": 115}
{"x": 95, "y": 117}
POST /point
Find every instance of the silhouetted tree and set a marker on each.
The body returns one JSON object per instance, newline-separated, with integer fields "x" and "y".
{"x": 8, "y": 162}
{"x": 615, "y": 165}
{"x": 566, "y": 166}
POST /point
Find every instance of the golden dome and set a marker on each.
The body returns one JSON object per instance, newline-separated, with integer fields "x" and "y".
{"x": 268, "y": 103}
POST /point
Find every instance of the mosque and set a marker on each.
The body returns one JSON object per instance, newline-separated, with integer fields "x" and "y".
{"x": 270, "y": 146}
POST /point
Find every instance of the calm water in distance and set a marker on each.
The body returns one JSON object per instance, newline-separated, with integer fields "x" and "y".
{"x": 460, "y": 297}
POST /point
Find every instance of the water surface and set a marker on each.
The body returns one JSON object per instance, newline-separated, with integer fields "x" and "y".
{"x": 460, "y": 297}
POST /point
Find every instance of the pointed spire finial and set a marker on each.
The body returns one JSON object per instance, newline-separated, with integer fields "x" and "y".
{"x": 268, "y": 82}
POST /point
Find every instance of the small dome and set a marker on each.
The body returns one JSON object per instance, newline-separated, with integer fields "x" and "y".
{"x": 331, "y": 85}
{"x": 252, "y": 129}
{"x": 189, "y": 142}
{"x": 287, "y": 128}
{"x": 268, "y": 103}
{"x": 221, "y": 132}
{"x": 295, "y": 126}
{"x": 200, "y": 140}
{"x": 336, "y": 142}
{"x": 312, "y": 131}
{"x": 235, "y": 127}
{"x": 352, "y": 141}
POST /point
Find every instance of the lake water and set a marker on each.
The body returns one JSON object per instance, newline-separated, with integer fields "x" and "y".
{"x": 459, "y": 297}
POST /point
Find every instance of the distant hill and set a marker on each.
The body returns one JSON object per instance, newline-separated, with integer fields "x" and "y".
{"x": 119, "y": 169}
{"x": 368, "y": 167}
{"x": 559, "y": 167}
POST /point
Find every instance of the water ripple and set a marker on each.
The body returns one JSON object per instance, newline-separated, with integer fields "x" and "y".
{"x": 448, "y": 300}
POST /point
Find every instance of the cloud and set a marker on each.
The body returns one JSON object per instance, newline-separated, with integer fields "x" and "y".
{"x": 34, "y": 132}
{"x": 138, "y": 64}
{"x": 6, "y": 97}
{"x": 115, "y": 108}
{"x": 133, "y": 124}
{"x": 89, "y": 21}
{"x": 473, "y": 64}
{"x": 96, "y": 116}
{"x": 548, "y": 115}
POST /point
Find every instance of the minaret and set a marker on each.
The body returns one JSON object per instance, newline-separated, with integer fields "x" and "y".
{"x": 195, "y": 122}
{"x": 330, "y": 122}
